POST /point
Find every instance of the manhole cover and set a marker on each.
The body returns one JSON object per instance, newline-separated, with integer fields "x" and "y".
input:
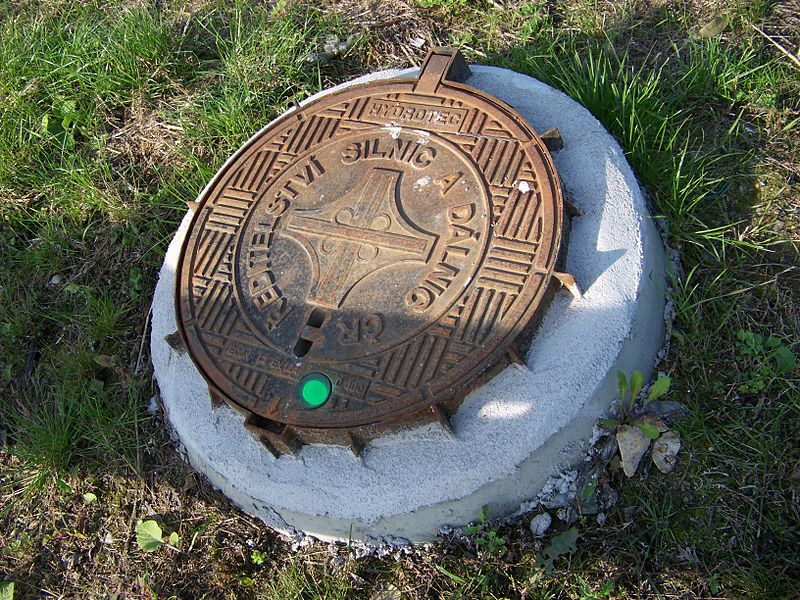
{"x": 363, "y": 261}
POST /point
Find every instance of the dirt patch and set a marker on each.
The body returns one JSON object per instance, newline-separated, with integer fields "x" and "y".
{"x": 142, "y": 138}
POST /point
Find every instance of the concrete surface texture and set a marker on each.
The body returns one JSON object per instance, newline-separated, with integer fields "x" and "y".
{"x": 510, "y": 434}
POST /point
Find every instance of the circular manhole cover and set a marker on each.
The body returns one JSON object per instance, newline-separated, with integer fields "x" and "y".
{"x": 361, "y": 262}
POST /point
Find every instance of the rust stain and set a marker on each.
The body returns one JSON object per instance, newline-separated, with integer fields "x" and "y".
{"x": 393, "y": 238}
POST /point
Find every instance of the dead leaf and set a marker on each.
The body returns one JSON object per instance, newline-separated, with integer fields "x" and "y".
{"x": 713, "y": 28}
{"x": 632, "y": 446}
{"x": 188, "y": 483}
{"x": 665, "y": 451}
{"x": 103, "y": 360}
{"x": 389, "y": 592}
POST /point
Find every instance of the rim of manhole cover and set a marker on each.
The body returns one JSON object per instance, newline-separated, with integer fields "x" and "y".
{"x": 365, "y": 261}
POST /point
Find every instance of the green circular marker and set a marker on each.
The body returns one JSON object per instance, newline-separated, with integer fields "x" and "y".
{"x": 314, "y": 390}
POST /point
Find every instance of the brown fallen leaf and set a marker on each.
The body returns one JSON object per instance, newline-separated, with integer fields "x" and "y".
{"x": 712, "y": 29}
{"x": 632, "y": 446}
{"x": 665, "y": 451}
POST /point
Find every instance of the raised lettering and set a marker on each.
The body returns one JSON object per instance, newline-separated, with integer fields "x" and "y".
{"x": 460, "y": 233}
{"x": 441, "y": 278}
{"x": 446, "y": 182}
{"x": 358, "y": 329}
{"x": 311, "y": 170}
{"x": 425, "y": 156}
{"x": 351, "y": 153}
{"x": 462, "y": 214}
{"x": 419, "y": 299}
{"x": 407, "y": 151}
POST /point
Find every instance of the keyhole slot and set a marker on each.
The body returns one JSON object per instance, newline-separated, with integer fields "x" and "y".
{"x": 315, "y": 320}
{"x": 302, "y": 347}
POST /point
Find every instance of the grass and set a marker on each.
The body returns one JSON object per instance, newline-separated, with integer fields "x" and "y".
{"x": 114, "y": 114}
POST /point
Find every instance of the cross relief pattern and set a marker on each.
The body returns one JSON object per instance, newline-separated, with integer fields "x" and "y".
{"x": 366, "y": 229}
{"x": 358, "y": 233}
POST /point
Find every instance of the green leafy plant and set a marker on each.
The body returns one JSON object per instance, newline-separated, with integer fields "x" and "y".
{"x": 562, "y": 544}
{"x": 18, "y": 545}
{"x": 258, "y": 557}
{"x": 605, "y": 590}
{"x": 471, "y": 585}
{"x": 6, "y": 590}
{"x": 150, "y": 537}
{"x": 135, "y": 284}
{"x": 62, "y": 124}
{"x": 629, "y": 391}
{"x": 486, "y": 537}
{"x": 63, "y": 486}
{"x": 764, "y": 360}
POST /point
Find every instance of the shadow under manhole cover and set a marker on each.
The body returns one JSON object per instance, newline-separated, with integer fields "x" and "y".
{"x": 367, "y": 260}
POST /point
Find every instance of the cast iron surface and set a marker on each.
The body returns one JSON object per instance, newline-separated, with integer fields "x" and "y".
{"x": 394, "y": 237}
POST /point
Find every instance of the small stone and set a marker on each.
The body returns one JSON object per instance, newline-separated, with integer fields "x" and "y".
{"x": 667, "y": 409}
{"x": 56, "y": 279}
{"x": 540, "y": 524}
{"x": 320, "y": 57}
{"x": 601, "y": 519}
{"x": 400, "y": 543}
{"x": 665, "y": 451}
{"x": 567, "y": 515}
{"x": 632, "y": 446}
{"x": 338, "y": 561}
{"x": 558, "y": 501}
{"x": 608, "y": 450}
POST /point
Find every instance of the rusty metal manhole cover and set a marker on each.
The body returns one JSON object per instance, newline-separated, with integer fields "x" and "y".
{"x": 362, "y": 262}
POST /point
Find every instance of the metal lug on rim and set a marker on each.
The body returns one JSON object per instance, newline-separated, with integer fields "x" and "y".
{"x": 265, "y": 442}
{"x": 568, "y": 281}
{"x": 216, "y": 398}
{"x": 175, "y": 341}
{"x": 292, "y": 440}
{"x": 514, "y": 356}
{"x": 442, "y": 418}
{"x": 572, "y": 210}
{"x": 356, "y": 445}
{"x": 441, "y": 64}
{"x": 193, "y": 206}
{"x": 552, "y": 139}
{"x": 235, "y": 407}
{"x": 278, "y": 440}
